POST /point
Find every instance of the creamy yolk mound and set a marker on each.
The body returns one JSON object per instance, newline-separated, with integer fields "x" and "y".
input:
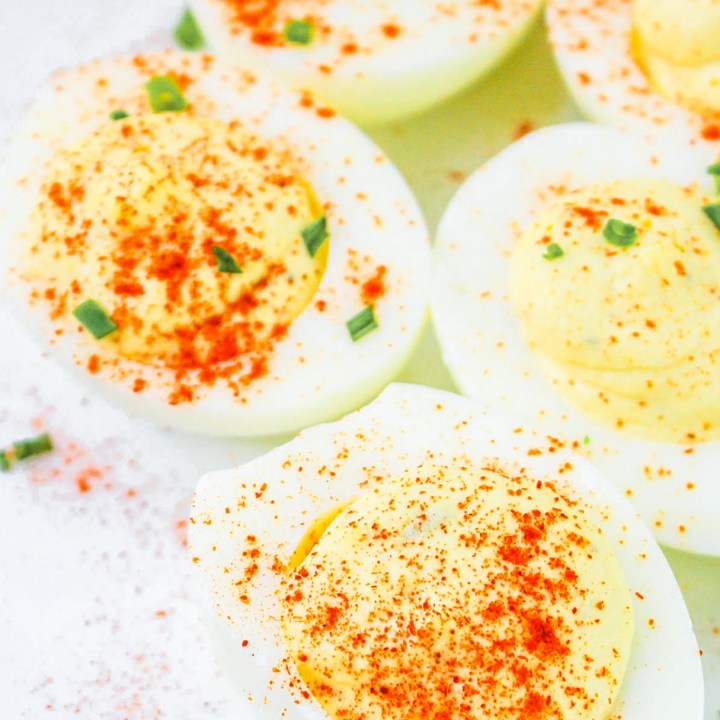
{"x": 458, "y": 592}
{"x": 629, "y": 334}
{"x": 129, "y": 218}
{"x": 676, "y": 42}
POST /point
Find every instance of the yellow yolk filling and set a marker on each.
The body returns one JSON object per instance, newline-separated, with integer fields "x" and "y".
{"x": 130, "y": 216}
{"x": 676, "y": 42}
{"x": 459, "y": 592}
{"x": 629, "y": 334}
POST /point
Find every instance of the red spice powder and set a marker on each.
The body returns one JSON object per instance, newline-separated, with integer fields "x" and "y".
{"x": 374, "y": 288}
{"x": 508, "y": 671}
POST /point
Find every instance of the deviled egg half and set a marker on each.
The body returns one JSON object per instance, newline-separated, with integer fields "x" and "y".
{"x": 648, "y": 65}
{"x": 221, "y": 255}
{"x": 374, "y": 61}
{"x": 420, "y": 558}
{"x": 578, "y": 288}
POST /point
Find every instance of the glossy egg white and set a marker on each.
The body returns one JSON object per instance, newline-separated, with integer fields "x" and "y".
{"x": 374, "y": 61}
{"x": 482, "y": 340}
{"x": 277, "y": 496}
{"x": 316, "y": 372}
{"x": 592, "y": 45}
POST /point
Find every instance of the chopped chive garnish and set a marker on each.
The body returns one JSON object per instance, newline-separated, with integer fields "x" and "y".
{"x": 33, "y": 446}
{"x": 713, "y": 212}
{"x": 165, "y": 95}
{"x": 362, "y": 323}
{"x": 94, "y": 319}
{"x": 119, "y": 115}
{"x": 586, "y": 440}
{"x": 226, "y": 262}
{"x": 187, "y": 32}
{"x": 5, "y": 463}
{"x": 298, "y": 32}
{"x": 619, "y": 233}
{"x": 714, "y": 170}
{"x": 314, "y": 235}
{"x": 554, "y": 251}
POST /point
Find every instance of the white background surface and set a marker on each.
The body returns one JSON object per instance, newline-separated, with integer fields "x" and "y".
{"x": 97, "y": 612}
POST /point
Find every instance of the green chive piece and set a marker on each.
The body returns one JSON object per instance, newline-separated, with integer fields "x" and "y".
{"x": 298, "y": 32}
{"x": 33, "y": 446}
{"x": 165, "y": 95}
{"x": 554, "y": 251}
{"x": 187, "y": 32}
{"x": 94, "y": 319}
{"x": 362, "y": 323}
{"x": 620, "y": 234}
{"x": 5, "y": 463}
{"x": 714, "y": 170}
{"x": 586, "y": 440}
{"x": 226, "y": 262}
{"x": 314, "y": 235}
{"x": 713, "y": 212}
{"x": 119, "y": 115}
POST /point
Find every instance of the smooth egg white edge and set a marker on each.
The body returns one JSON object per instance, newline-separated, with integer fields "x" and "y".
{"x": 382, "y": 87}
{"x": 591, "y": 44}
{"x": 482, "y": 340}
{"x": 291, "y": 486}
{"x": 370, "y": 209}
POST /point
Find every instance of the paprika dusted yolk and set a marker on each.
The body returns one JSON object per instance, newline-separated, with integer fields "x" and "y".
{"x": 459, "y": 593}
{"x": 676, "y": 43}
{"x": 627, "y": 320}
{"x": 188, "y": 233}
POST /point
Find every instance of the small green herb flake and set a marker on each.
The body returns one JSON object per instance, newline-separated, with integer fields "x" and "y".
{"x": 226, "y": 262}
{"x": 713, "y": 212}
{"x": 298, "y": 32}
{"x": 33, "y": 446}
{"x": 553, "y": 252}
{"x": 187, "y": 32}
{"x": 5, "y": 464}
{"x": 94, "y": 319}
{"x": 119, "y": 115}
{"x": 314, "y": 235}
{"x": 619, "y": 233}
{"x": 586, "y": 440}
{"x": 165, "y": 95}
{"x": 714, "y": 170}
{"x": 362, "y": 323}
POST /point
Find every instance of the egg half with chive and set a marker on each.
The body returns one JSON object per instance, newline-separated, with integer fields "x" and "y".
{"x": 577, "y": 288}
{"x": 420, "y": 558}
{"x": 374, "y": 61}
{"x": 648, "y": 65}
{"x": 214, "y": 252}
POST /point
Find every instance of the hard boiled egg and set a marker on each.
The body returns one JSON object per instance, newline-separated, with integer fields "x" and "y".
{"x": 577, "y": 277}
{"x": 216, "y": 253}
{"x": 420, "y": 556}
{"x": 649, "y": 65}
{"x": 374, "y": 61}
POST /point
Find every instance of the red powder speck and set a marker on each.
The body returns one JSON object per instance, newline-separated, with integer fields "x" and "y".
{"x": 391, "y": 31}
{"x": 522, "y": 129}
{"x": 86, "y": 478}
{"x": 711, "y": 132}
{"x": 181, "y": 532}
{"x": 374, "y": 288}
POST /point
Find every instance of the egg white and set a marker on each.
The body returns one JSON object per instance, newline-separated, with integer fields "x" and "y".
{"x": 591, "y": 43}
{"x": 277, "y": 496}
{"x": 316, "y": 372}
{"x": 481, "y": 337}
{"x": 439, "y": 50}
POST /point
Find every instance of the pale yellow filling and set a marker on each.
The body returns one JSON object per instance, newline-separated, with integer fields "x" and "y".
{"x": 459, "y": 592}
{"x": 129, "y": 218}
{"x": 631, "y": 335}
{"x": 676, "y": 42}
